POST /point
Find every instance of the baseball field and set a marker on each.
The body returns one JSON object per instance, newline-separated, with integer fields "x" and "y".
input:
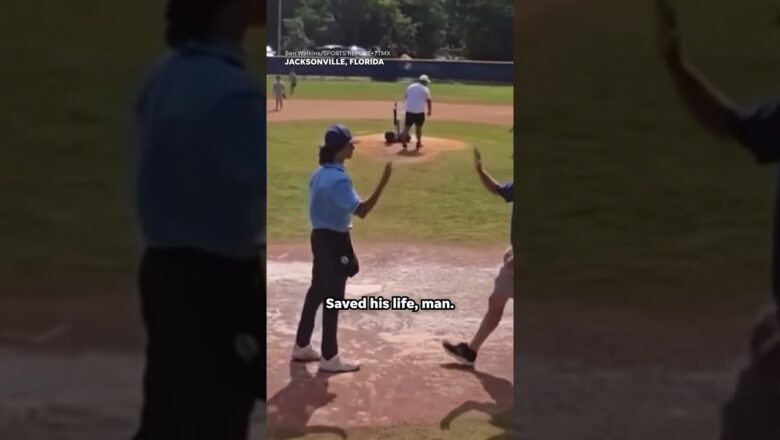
{"x": 70, "y": 334}
{"x": 645, "y": 243}
{"x": 436, "y": 233}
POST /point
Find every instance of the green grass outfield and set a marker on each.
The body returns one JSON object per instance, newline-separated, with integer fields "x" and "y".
{"x": 460, "y": 430}
{"x": 65, "y": 174}
{"x": 621, "y": 193}
{"x": 465, "y": 428}
{"x": 363, "y": 89}
{"x": 436, "y": 201}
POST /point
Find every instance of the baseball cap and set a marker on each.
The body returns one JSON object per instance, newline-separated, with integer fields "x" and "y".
{"x": 424, "y": 78}
{"x": 337, "y": 135}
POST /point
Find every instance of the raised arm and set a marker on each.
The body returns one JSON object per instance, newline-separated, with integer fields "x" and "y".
{"x": 711, "y": 108}
{"x": 757, "y": 129}
{"x": 490, "y": 184}
{"x": 366, "y": 206}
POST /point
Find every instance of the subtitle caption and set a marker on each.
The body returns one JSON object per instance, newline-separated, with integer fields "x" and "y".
{"x": 392, "y": 303}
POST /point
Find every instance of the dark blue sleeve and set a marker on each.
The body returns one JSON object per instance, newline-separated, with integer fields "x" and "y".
{"x": 507, "y": 191}
{"x": 758, "y": 129}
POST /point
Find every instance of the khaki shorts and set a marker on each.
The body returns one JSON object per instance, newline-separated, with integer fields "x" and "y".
{"x": 505, "y": 281}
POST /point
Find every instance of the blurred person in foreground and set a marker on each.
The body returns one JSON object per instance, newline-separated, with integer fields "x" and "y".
{"x": 751, "y": 413}
{"x": 200, "y": 197}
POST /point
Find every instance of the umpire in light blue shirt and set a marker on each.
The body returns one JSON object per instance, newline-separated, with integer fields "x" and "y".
{"x": 332, "y": 203}
{"x": 200, "y": 197}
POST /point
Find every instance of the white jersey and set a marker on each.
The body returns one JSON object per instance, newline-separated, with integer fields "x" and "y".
{"x": 278, "y": 89}
{"x": 416, "y": 97}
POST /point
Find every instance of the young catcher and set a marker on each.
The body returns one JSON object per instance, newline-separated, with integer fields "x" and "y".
{"x": 503, "y": 289}
{"x": 279, "y": 93}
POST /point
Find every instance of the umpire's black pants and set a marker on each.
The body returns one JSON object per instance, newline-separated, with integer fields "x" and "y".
{"x": 334, "y": 262}
{"x": 198, "y": 383}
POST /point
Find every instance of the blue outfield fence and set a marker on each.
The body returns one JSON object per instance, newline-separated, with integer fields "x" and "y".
{"x": 395, "y": 69}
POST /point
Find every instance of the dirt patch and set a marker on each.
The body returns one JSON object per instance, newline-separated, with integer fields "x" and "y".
{"x": 374, "y": 146}
{"x": 406, "y": 376}
{"x": 71, "y": 365}
{"x": 336, "y": 111}
{"x": 67, "y": 323}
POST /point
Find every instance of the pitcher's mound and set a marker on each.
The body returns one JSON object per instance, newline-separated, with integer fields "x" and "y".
{"x": 374, "y": 145}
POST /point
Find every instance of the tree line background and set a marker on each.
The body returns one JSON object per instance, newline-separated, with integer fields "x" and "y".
{"x": 472, "y": 29}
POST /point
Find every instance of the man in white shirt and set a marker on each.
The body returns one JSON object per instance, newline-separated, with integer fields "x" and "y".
{"x": 416, "y": 99}
{"x": 293, "y": 82}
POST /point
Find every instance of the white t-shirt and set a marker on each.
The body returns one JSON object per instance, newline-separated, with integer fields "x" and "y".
{"x": 416, "y": 97}
{"x": 278, "y": 89}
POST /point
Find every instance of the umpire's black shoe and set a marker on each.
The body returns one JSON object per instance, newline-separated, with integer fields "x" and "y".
{"x": 461, "y": 352}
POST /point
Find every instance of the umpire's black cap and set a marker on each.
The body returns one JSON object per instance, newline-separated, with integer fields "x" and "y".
{"x": 337, "y": 136}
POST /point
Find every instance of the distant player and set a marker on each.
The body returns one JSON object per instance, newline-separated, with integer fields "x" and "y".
{"x": 279, "y": 93}
{"x": 416, "y": 99}
{"x": 293, "y": 82}
{"x": 504, "y": 288}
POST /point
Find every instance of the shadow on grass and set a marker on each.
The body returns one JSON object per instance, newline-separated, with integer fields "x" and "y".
{"x": 289, "y": 410}
{"x": 500, "y": 409}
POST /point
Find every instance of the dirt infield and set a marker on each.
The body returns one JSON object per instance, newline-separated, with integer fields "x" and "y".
{"x": 593, "y": 370}
{"x": 406, "y": 377}
{"x": 301, "y": 110}
{"x": 70, "y": 367}
{"x": 373, "y": 145}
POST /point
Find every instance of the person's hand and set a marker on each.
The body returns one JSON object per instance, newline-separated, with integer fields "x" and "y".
{"x": 668, "y": 32}
{"x": 477, "y": 160}
{"x": 429, "y": 113}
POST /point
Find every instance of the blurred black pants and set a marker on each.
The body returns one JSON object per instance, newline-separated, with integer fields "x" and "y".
{"x": 201, "y": 379}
